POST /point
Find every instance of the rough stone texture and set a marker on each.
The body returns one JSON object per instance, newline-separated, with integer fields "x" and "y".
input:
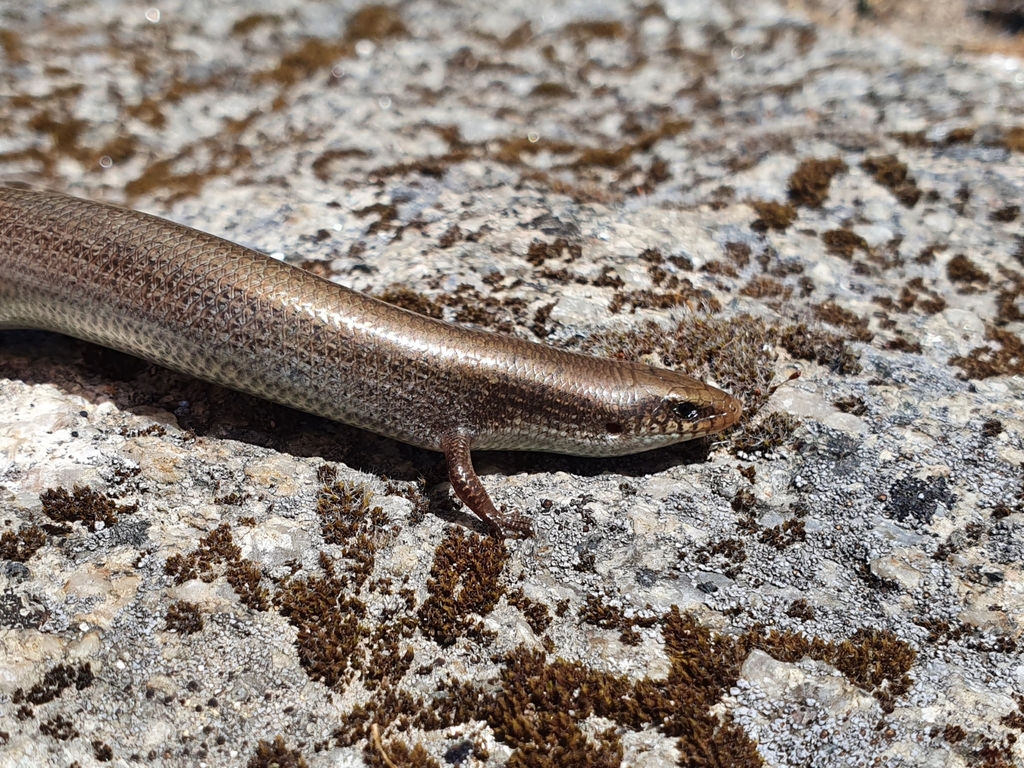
{"x": 847, "y": 593}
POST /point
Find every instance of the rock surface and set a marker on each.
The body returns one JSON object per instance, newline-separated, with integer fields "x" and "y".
{"x": 742, "y": 190}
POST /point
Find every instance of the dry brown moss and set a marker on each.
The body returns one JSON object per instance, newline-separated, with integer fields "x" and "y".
{"x": 83, "y": 505}
{"x": 463, "y": 581}
{"x": 328, "y": 623}
{"x": 540, "y": 704}
{"x": 307, "y": 59}
{"x": 801, "y": 610}
{"x": 852, "y": 405}
{"x": 399, "y": 754}
{"x": 1005, "y": 359}
{"x": 54, "y": 683}
{"x": 599, "y": 613}
{"x": 819, "y": 346}
{"x": 696, "y": 299}
{"x": 765, "y": 435}
{"x": 765, "y": 287}
{"x": 844, "y": 242}
{"x": 60, "y": 728}
{"x": 184, "y": 617}
{"x": 550, "y": 90}
{"x": 406, "y": 298}
{"x": 276, "y": 754}
{"x": 348, "y": 520}
{"x": 833, "y": 314}
{"x": 537, "y": 614}
{"x": 873, "y": 660}
{"x": 772, "y": 215}
{"x": 1006, "y": 214}
{"x": 323, "y": 166}
{"x": 810, "y": 181}
{"x": 217, "y": 555}
{"x": 540, "y": 251}
{"x": 20, "y": 546}
{"x": 966, "y": 275}
{"x": 784, "y": 535}
{"x": 736, "y": 353}
{"x": 247, "y": 24}
{"x": 10, "y": 42}
{"x": 892, "y": 174}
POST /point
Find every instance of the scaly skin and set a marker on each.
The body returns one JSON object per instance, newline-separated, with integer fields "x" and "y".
{"x": 215, "y": 310}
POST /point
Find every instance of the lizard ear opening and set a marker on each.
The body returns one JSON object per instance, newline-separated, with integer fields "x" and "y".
{"x": 613, "y": 427}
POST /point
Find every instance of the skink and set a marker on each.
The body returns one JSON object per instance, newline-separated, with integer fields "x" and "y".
{"x": 233, "y": 316}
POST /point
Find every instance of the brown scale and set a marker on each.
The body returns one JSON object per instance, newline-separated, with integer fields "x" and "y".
{"x": 215, "y": 310}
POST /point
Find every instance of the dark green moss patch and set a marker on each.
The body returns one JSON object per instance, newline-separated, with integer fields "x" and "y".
{"x": 84, "y": 505}
{"x": 892, "y": 174}
{"x": 184, "y": 618}
{"x": 276, "y": 754}
{"x": 463, "y": 580}
{"x": 1004, "y": 357}
{"x": 20, "y": 546}
{"x": 809, "y": 183}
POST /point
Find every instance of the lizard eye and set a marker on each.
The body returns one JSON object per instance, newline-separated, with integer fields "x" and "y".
{"x": 686, "y": 411}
